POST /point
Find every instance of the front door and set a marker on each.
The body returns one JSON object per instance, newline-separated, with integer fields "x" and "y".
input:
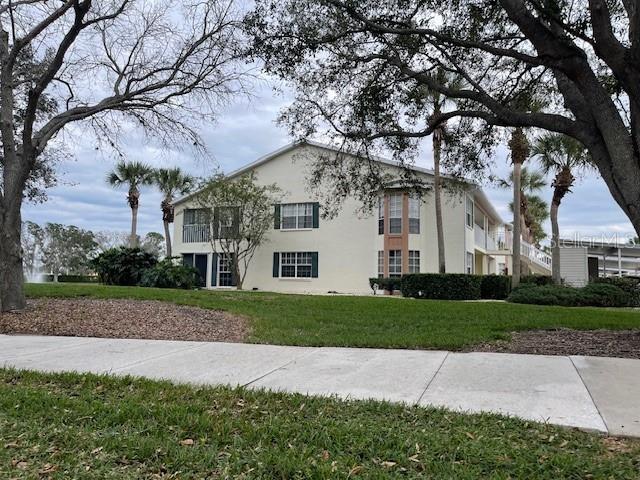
{"x": 200, "y": 263}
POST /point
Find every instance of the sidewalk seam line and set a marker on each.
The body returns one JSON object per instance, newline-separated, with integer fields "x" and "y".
{"x": 89, "y": 341}
{"x": 181, "y": 350}
{"x": 310, "y": 352}
{"x": 604, "y": 422}
{"x": 432, "y": 378}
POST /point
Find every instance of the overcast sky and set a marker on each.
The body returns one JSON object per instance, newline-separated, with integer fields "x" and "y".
{"x": 243, "y": 133}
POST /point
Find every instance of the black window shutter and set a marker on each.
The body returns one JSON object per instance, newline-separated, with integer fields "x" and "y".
{"x": 214, "y": 269}
{"x": 234, "y": 279}
{"x": 276, "y": 217}
{"x": 314, "y": 264}
{"x": 276, "y": 264}
{"x": 216, "y": 222}
{"x": 316, "y": 215}
{"x": 236, "y": 222}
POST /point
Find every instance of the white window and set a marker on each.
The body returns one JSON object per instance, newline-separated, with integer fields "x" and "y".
{"x": 414, "y": 214}
{"x": 414, "y": 261}
{"x": 395, "y": 213}
{"x": 225, "y": 277}
{"x": 380, "y": 263}
{"x": 380, "y": 215}
{"x": 395, "y": 263}
{"x": 296, "y": 216}
{"x": 469, "y": 212}
{"x": 295, "y": 264}
{"x": 469, "y": 264}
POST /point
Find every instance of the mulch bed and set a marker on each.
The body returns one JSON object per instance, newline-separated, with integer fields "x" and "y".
{"x": 599, "y": 343}
{"x": 124, "y": 319}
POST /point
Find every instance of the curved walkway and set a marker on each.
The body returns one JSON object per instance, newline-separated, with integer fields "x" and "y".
{"x": 592, "y": 393}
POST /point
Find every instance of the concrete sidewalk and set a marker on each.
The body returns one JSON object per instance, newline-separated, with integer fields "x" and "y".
{"x": 601, "y": 394}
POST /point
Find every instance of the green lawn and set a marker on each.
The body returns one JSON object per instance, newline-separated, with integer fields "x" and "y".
{"x": 83, "y": 426}
{"x": 365, "y": 321}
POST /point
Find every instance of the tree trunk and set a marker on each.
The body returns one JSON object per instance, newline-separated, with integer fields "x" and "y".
{"x": 55, "y": 277}
{"x": 555, "y": 243}
{"x": 167, "y": 238}
{"x": 11, "y": 274}
{"x": 515, "y": 276}
{"x": 133, "y": 239}
{"x": 236, "y": 272}
{"x": 437, "y": 149}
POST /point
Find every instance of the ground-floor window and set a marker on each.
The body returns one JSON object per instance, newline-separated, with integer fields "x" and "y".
{"x": 395, "y": 263}
{"x": 380, "y": 263}
{"x": 469, "y": 264}
{"x": 225, "y": 269}
{"x": 414, "y": 261}
{"x": 296, "y": 264}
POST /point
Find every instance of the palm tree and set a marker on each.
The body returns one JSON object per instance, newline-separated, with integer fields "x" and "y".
{"x": 436, "y": 102}
{"x": 134, "y": 175}
{"x": 171, "y": 182}
{"x": 560, "y": 156}
{"x": 533, "y": 210}
{"x": 519, "y": 146}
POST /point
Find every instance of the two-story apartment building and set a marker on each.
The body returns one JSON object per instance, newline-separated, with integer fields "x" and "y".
{"x": 306, "y": 253}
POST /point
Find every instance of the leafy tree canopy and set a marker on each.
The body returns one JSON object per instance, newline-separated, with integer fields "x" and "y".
{"x": 563, "y": 66}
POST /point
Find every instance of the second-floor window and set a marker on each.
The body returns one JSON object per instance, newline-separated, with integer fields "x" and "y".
{"x": 469, "y": 212}
{"x": 296, "y": 216}
{"x": 395, "y": 213}
{"x": 414, "y": 215}
{"x": 380, "y": 215}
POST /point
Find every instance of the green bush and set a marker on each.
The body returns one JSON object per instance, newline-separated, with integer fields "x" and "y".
{"x": 387, "y": 283}
{"x": 594, "y": 295}
{"x": 122, "y": 265}
{"x": 166, "y": 274}
{"x": 631, "y": 285}
{"x": 442, "y": 286}
{"x": 495, "y": 287}
{"x": 536, "y": 279}
{"x": 71, "y": 278}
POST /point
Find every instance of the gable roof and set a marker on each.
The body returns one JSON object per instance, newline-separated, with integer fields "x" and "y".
{"x": 479, "y": 195}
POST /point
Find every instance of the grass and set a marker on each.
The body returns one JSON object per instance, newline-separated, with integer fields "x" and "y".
{"x": 85, "y": 426}
{"x": 365, "y": 321}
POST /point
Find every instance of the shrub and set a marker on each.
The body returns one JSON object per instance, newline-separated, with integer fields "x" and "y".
{"x": 594, "y": 295}
{"x": 536, "y": 279}
{"x": 630, "y": 285}
{"x": 122, "y": 265}
{"x": 605, "y": 295}
{"x": 387, "y": 283}
{"x": 496, "y": 287}
{"x": 71, "y": 278}
{"x": 442, "y": 286}
{"x": 166, "y": 274}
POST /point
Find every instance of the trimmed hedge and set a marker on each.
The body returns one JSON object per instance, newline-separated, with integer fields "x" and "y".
{"x": 495, "y": 287}
{"x": 630, "y": 285}
{"x": 593, "y": 295}
{"x": 387, "y": 283}
{"x": 72, "y": 278}
{"x": 442, "y": 286}
{"x": 537, "y": 279}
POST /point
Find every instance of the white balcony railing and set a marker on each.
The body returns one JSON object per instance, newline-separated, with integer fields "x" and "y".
{"x": 534, "y": 254}
{"x": 195, "y": 233}
{"x": 480, "y": 236}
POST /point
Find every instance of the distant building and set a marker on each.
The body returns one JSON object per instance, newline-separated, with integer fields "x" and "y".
{"x": 584, "y": 260}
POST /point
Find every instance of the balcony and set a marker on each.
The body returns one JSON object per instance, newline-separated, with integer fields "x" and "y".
{"x": 484, "y": 239}
{"x": 197, "y": 233}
